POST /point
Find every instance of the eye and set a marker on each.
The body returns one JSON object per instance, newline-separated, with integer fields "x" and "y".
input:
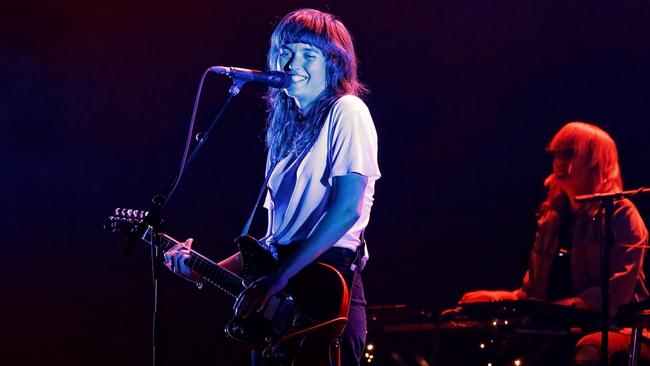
{"x": 284, "y": 53}
{"x": 563, "y": 154}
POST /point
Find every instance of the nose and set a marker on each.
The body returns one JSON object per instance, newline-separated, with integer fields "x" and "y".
{"x": 561, "y": 167}
{"x": 292, "y": 64}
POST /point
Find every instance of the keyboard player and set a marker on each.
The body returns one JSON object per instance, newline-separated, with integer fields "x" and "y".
{"x": 564, "y": 265}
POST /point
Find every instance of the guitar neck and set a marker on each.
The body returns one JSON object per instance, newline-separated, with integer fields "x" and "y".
{"x": 221, "y": 278}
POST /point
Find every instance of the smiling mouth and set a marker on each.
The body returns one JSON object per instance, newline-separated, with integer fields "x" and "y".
{"x": 298, "y": 78}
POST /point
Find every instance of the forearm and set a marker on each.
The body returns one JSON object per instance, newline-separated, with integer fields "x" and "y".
{"x": 233, "y": 263}
{"x": 343, "y": 211}
{"x": 575, "y": 302}
{"x": 335, "y": 223}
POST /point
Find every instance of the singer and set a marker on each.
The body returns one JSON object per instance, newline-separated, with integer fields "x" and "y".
{"x": 564, "y": 265}
{"x": 322, "y": 162}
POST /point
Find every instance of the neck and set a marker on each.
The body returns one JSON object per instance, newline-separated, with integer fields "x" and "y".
{"x": 301, "y": 103}
{"x": 572, "y": 192}
{"x": 575, "y": 207}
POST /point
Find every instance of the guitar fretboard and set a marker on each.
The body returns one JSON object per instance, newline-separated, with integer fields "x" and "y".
{"x": 221, "y": 278}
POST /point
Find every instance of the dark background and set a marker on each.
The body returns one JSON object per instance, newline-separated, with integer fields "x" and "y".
{"x": 94, "y": 105}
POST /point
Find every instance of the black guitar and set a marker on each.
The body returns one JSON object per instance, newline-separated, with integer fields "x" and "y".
{"x": 313, "y": 306}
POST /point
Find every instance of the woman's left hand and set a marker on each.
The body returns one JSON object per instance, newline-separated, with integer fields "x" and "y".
{"x": 255, "y": 297}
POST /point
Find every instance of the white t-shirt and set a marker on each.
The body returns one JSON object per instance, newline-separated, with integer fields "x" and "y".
{"x": 299, "y": 187}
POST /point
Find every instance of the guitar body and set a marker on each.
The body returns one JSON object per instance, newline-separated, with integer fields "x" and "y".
{"x": 302, "y": 321}
{"x": 296, "y": 327}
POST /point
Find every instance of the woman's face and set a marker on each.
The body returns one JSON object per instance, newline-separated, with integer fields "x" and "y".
{"x": 571, "y": 171}
{"x": 308, "y": 69}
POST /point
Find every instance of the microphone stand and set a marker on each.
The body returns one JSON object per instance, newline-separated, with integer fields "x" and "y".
{"x": 154, "y": 219}
{"x": 606, "y": 211}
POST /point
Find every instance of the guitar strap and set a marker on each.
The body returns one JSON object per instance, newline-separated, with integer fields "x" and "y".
{"x": 247, "y": 226}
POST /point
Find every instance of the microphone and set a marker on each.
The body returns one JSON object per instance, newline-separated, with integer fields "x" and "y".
{"x": 274, "y": 79}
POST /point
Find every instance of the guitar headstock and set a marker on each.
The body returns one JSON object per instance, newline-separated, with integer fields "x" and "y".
{"x": 125, "y": 220}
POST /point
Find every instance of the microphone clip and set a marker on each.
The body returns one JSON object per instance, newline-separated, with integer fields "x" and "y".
{"x": 237, "y": 84}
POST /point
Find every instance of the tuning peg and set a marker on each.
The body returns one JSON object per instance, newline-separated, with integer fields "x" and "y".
{"x": 130, "y": 215}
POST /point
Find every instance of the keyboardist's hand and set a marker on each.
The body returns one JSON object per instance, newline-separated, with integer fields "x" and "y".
{"x": 574, "y": 302}
{"x": 487, "y": 296}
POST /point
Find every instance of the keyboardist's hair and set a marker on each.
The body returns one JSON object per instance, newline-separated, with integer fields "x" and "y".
{"x": 593, "y": 149}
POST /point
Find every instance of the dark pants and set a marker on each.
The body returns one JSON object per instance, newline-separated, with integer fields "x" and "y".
{"x": 353, "y": 339}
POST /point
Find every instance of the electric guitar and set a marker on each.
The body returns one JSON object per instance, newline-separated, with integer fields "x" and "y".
{"x": 313, "y": 306}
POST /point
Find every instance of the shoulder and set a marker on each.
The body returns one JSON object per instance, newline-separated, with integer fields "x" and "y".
{"x": 349, "y": 104}
{"x": 625, "y": 209}
{"x": 350, "y": 117}
{"x": 627, "y": 218}
{"x": 350, "y": 111}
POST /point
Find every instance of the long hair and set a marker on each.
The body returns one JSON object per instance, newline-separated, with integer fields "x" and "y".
{"x": 290, "y": 130}
{"x": 594, "y": 150}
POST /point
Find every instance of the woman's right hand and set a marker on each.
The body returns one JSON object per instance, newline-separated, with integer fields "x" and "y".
{"x": 487, "y": 296}
{"x": 175, "y": 260}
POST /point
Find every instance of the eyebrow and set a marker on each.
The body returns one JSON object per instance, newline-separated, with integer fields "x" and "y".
{"x": 307, "y": 47}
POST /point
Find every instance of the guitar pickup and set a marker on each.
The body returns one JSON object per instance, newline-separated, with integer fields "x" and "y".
{"x": 271, "y": 307}
{"x": 279, "y": 311}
